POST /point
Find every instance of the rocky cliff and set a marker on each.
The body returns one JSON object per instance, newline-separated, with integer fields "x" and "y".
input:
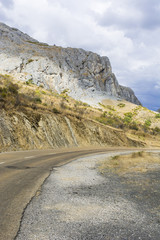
{"x": 85, "y": 75}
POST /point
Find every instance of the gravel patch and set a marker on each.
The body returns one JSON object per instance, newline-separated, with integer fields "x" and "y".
{"x": 77, "y": 202}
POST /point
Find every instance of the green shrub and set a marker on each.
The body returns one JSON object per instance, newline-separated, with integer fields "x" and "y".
{"x": 157, "y": 115}
{"x": 137, "y": 154}
{"x": 147, "y": 123}
{"x": 127, "y": 119}
{"x": 129, "y": 114}
{"x": 156, "y": 130}
{"x": 30, "y": 81}
{"x": 110, "y": 108}
{"x": 38, "y": 92}
{"x": 121, "y": 105}
{"x": 65, "y": 91}
{"x": 102, "y": 105}
{"x": 13, "y": 88}
{"x": 3, "y": 92}
{"x": 30, "y": 60}
{"x": 44, "y": 92}
{"x": 113, "y": 121}
{"x": 9, "y": 89}
{"x": 55, "y": 110}
{"x": 133, "y": 126}
{"x": 103, "y": 114}
{"x": 37, "y": 100}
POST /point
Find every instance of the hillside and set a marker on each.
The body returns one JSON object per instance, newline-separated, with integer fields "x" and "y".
{"x": 86, "y": 75}
{"x": 63, "y": 97}
{"x": 34, "y": 118}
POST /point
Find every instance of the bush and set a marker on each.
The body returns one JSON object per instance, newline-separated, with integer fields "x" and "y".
{"x": 65, "y": 91}
{"x": 113, "y": 121}
{"x": 133, "y": 126}
{"x": 147, "y": 123}
{"x": 3, "y": 92}
{"x": 129, "y": 114}
{"x": 156, "y": 130}
{"x": 30, "y": 60}
{"x": 55, "y": 110}
{"x": 121, "y": 105}
{"x": 137, "y": 154}
{"x": 127, "y": 119}
{"x": 30, "y": 81}
{"x": 37, "y": 100}
{"x": 110, "y": 108}
{"x": 10, "y": 89}
{"x": 157, "y": 115}
{"x": 13, "y": 88}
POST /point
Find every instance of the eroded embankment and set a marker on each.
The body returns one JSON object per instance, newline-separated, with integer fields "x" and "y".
{"x": 33, "y": 130}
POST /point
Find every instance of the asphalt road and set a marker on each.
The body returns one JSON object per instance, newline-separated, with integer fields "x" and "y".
{"x": 21, "y": 175}
{"x": 79, "y": 203}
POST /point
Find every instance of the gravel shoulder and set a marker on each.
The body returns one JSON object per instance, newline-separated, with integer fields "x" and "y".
{"x": 78, "y": 202}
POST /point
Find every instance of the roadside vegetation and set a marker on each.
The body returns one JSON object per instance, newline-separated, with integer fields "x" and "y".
{"x": 136, "y": 162}
{"x": 138, "y": 122}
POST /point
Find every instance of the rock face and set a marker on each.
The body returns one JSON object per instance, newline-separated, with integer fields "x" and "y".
{"x": 31, "y": 130}
{"x": 85, "y": 75}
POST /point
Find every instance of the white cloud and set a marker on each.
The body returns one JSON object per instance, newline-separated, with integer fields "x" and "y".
{"x": 126, "y": 31}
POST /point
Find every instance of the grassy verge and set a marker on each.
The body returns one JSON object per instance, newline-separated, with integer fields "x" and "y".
{"x": 139, "y": 162}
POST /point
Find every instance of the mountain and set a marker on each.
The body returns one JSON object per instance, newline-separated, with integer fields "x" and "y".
{"x": 85, "y": 75}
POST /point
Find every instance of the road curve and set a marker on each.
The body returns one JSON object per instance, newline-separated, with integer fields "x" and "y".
{"x": 22, "y": 174}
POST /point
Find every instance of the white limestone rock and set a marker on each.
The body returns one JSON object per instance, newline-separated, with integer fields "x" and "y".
{"x": 87, "y": 75}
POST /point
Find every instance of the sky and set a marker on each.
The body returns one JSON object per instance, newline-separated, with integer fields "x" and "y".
{"x": 126, "y": 31}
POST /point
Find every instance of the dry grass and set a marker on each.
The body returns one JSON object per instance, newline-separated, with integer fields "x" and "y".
{"x": 110, "y": 112}
{"x": 136, "y": 162}
{"x": 139, "y": 114}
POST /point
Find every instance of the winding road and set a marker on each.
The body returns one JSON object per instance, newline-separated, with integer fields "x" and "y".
{"x": 21, "y": 176}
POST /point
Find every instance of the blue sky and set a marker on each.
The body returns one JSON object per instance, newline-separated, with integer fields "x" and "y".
{"x": 127, "y": 31}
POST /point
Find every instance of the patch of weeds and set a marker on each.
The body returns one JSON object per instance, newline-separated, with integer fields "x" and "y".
{"x": 110, "y": 108}
{"x": 37, "y": 100}
{"x": 65, "y": 91}
{"x": 128, "y": 118}
{"x": 129, "y": 114}
{"x": 134, "y": 126}
{"x": 44, "y": 92}
{"x": 37, "y": 92}
{"x": 55, "y": 110}
{"x": 80, "y": 103}
{"x": 156, "y": 130}
{"x": 3, "y": 92}
{"x": 45, "y": 104}
{"x": 147, "y": 123}
{"x": 29, "y": 82}
{"x": 137, "y": 154}
{"x": 121, "y": 105}
{"x": 13, "y": 88}
{"x": 115, "y": 157}
{"x": 102, "y": 105}
{"x": 113, "y": 121}
{"x": 157, "y": 115}
{"x": 64, "y": 96}
{"x": 30, "y": 61}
